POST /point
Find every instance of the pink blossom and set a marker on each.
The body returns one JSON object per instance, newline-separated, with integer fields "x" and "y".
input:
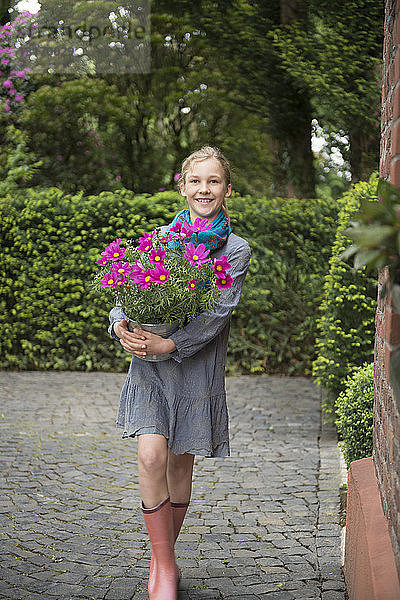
{"x": 159, "y": 274}
{"x": 114, "y": 251}
{"x": 102, "y": 261}
{"x": 177, "y": 176}
{"x": 157, "y": 256}
{"x": 122, "y": 269}
{"x": 197, "y": 256}
{"x": 19, "y": 98}
{"x": 220, "y": 266}
{"x": 8, "y": 83}
{"x": 7, "y": 108}
{"x": 143, "y": 279}
{"x": 162, "y": 189}
{"x": 136, "y": 268}
{"x": 187, "y": 229}
{"x": 177, "y": 227}
{"x": 201, "y": 225}
{"x": 118, "y": 177}
{"x": 225, "y": 282}
{"x": 146, "y": 242}
{"x": 167, "y": 238}
{"x": 192, "y": 284}
{"x": 111, "y": 280}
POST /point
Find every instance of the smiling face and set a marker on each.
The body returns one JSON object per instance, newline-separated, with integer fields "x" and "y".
{"x": 205, "y": 189}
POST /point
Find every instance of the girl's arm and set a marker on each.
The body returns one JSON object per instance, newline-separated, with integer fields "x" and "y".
{"x": 199, "y": 332}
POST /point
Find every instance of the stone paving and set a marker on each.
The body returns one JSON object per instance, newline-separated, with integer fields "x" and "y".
{"x": 263, "y": 524}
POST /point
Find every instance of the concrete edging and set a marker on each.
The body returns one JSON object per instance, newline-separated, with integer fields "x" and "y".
{"x": 369, "y": 569}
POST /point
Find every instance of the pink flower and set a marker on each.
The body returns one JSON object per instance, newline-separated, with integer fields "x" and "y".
{"x": 197, "y": 256}
{"x": 192, "y": 285}
{"x": 136, "y": 268}
{"x": 143, "y": 279}
{"x": 5, "y": 61}
{"x": 159, "y": 274}
{"x": 19, "y": 98}
{"x": 201, "y": 225}
{"x": 102, "y": 261}
{"x": 162, "y": 189}
{"x": 220, "y": 266}
{"x": 146, "y": 242}
{"x": 177, "y": 227}
{"x": 7, "y": 108}
{"x": 118, "y": 177}
{"x": 111, "y": 280}
{"x": 122, "y": 269}
{"x": 167, "y": 238}
{"x": 8, "y": 83}
{"x": 177, "y": 176}
{"x": 187, "y": 229}
{"x": 225, "y": 282}
{"x": 157, "y": 256}
{"x": 114, "y": 250}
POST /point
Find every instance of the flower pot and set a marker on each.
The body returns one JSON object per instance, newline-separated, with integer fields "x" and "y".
{"x": 163, "y": 329}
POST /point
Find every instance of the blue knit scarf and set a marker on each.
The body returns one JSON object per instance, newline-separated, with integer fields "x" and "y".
{"x": 213, "y": 238}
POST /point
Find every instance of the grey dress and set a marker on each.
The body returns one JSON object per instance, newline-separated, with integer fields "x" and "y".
{"x": 183, "y": 398}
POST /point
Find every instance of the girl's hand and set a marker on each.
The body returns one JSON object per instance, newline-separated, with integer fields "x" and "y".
{"x": 131, "y": 342}
{"x": 155, "y": 344}
{"x": 142, "y": 343}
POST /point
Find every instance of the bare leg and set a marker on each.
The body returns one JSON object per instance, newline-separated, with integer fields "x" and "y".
{"x": 179, "y": 476}
{"x": 152, "y": 463}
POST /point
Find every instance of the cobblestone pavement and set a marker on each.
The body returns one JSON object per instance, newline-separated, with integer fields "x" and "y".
{"x": 263, "y": 524}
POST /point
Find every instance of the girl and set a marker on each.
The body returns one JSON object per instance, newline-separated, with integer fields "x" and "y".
{"x": 177, "y": 407}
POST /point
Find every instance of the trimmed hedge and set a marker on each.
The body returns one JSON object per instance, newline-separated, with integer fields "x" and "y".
{"x": 51, "y": 319}
{"x": 354, "y": 409}
{"x": 346, "y": 328}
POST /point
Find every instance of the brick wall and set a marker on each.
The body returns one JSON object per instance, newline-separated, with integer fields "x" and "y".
{"x": 386, "y": 453}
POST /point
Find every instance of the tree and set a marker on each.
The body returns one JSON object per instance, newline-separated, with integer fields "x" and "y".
{"x": 339, "y": 60}
{"x": 98, "y": 131}
{"x": 292, "y": 60}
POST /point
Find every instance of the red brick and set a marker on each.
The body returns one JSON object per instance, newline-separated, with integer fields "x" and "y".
{"x": 392, "y": 328}
{"x": 396, "y": 68}
{"x": 395, "y": 168}
{"x": 395, "y": 141}
{"x": 396, "y": 102}
{"x": 396, "y": 32}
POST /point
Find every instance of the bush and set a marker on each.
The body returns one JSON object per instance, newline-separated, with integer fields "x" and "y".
{"x": 51, "y": 319}
{"x": 346, "y": 328}
{"x": 274, "y": 328}
{"x": 354, "y": 414}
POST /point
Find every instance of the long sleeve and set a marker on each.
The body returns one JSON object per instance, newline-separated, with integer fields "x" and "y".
{"x": 115, "y": 315}
{"x": 199, "y": 332}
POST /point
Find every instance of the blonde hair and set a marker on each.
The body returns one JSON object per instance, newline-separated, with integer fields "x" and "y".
{"x": 203, "y": 154}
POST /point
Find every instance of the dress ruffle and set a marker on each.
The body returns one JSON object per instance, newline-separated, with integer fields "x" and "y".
{"x": 196, "y": 425}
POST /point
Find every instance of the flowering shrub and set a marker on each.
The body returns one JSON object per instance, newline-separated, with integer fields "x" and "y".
{"x": 14, "y": 80}
{"x": 165, "y": 277}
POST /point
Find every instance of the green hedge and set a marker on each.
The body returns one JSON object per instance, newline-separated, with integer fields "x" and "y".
{"x": 354, "y": 409}
{"x": 346, "y": 327}
{"x": 51, "y": 319}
